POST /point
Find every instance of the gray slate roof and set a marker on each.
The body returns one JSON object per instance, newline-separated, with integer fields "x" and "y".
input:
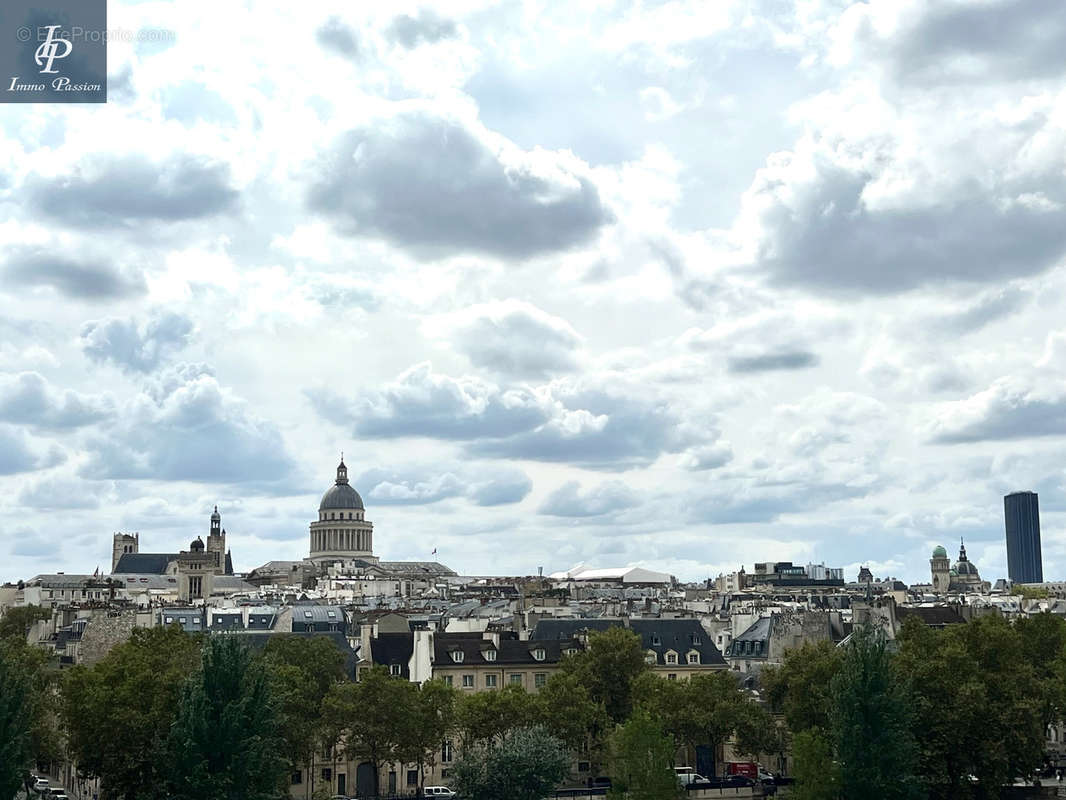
{"x": 144, "y": 563}
{"x": 656, "y": 635}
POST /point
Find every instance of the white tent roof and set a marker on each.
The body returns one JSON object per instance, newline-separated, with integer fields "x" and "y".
{"x": 623, "y": 574}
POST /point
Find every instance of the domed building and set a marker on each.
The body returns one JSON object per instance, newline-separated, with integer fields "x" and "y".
{"x": 341, "y": 532}
{"x": 964, "y": 574}
{"x": 960, "y": 577}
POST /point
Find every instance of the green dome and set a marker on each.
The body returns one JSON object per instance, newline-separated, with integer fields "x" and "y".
{"x": 939, "y": 552}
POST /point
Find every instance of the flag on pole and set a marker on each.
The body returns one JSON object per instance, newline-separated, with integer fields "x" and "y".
{"x": 434, "y": 552}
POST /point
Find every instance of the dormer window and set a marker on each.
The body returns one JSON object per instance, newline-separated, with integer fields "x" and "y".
{"x": 655, "y": 640}
{"x": 696, "y": 639}
{"x": 457, "y": 656}
{"x": 650, "y": 658}
{"x": 538, "y": 654}
{"x": 693, "y": 658}
{"x": 671, "y": 657}
{"x": 490, "y": 655}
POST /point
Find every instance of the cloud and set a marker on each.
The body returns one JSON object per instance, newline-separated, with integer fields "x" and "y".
{"x": 72, "y": 277}
{"x": 335, "y": 35}
{"x": 19, "y": 454}
{"x": 483, "y": 486}
{"x": 706, "y": 457}
{"x": 610, "y": 426}
{"x": 439, "y": 186}
{"x": 513, "y": 337}
{"x": 818, "y": 228}
{"x": 770, "y": 362}
{"x": 570, "y": 500}
{"x": 607, "y": 427}
{"x": 60, "y": 492}
{"x": 28, "y": 399}
{"x": 115, "y": 191}
{"x": 988, "y": 308}
{"x": 423, "y": 403}
{"x": 426, "y": 28}
{"x": 186, "y": 427}
{"x": 1008, "y": 409}
{"x": 132, "y": 346}
{"x": 961, "y": 42}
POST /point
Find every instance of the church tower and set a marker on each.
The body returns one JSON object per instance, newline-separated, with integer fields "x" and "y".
{"x": 124, "y": 543}
{"x": 216, "y": 539}
{"x": 940, "y": 567}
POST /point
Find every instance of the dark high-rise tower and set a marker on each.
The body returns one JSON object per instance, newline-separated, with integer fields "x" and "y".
{"x": 1022, "y": 513}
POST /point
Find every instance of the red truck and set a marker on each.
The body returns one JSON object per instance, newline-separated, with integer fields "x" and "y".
{"x": 749, "y": 769}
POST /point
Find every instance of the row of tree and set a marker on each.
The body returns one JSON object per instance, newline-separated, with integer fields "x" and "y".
{"x": 947, "y": 714}
{"x": 168, "y": 714}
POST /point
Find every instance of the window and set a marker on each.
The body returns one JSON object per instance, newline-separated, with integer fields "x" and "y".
{"x": 655, "y": 640}
{"x": 457, "y": 656}
{"x": 446, "y": 752}
{"x": 538, "y": 654}
{"x": 468, "y": 681}
{"x": 671, "y": 658}
{"x": 169, "y": 620}
{"x": 307, "y": 615}
{"x": 490, "y": 681}
{"x": 516, "y": 678}
{"x": 448, "y": 679}
{"x": 297, "y": 778}
{"x": 412, "y": 774}
{"x": 445, "y": 774}
{"x": 582, "y": 766}
{"x": 539, "y": 679}
{"x": 696, "y": 639}
{"x": 395, "y": 669}
{"x": 327, "y": 774}
{"x": 331, "y": 614}
{"x": 693, "y": 658}
{"x": 671, "y": 677}
{"x": 650, "y": 658}
{"x": 490, "y": 655}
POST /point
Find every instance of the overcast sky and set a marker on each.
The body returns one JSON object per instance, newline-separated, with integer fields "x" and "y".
{"x": 687, "y": 285}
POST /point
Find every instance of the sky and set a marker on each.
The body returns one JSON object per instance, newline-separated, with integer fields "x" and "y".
{"x": 684, "y": 285}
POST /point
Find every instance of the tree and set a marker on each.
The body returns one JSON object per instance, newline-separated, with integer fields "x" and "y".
{"x": 707, "y": 709}
{"x": 483, "y": 717}
{"x": 977, "y": 705}
{"x": 564, "y": 707}
{"x": 870, "y": 723}
{"x": 366, "y": 714}
{"x": 525, "y": 765}
{"x": 16, "y": 718}
{"x": 425, "y": 729}
{"x": 224, "y": 745}
{"x": 117, "y": 713}
{"x": 1043, "y": 642}
{"x": 18, "y": 620}
{"x": 607, "y": 669}
{"x": 799, "y": 688}
{"x": 301, "y": 670}
{"x": 817, "y": 774}
{"x": 642, "y": 760}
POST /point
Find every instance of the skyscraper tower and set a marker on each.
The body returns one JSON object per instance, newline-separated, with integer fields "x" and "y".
{"x": 1021, "y": 511}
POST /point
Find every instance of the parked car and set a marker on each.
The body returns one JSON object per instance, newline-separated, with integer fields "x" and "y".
{"x": 58, "y": 795}
{"x": 687, "y": 776}
{"x": 437, "y": 791}
{"x": 40, "y": 785}
{"x": 601, "y": 782}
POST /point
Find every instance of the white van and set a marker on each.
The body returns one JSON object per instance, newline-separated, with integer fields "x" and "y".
{"x": 437, "y": 791}
{"x": 687, "y": 775}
